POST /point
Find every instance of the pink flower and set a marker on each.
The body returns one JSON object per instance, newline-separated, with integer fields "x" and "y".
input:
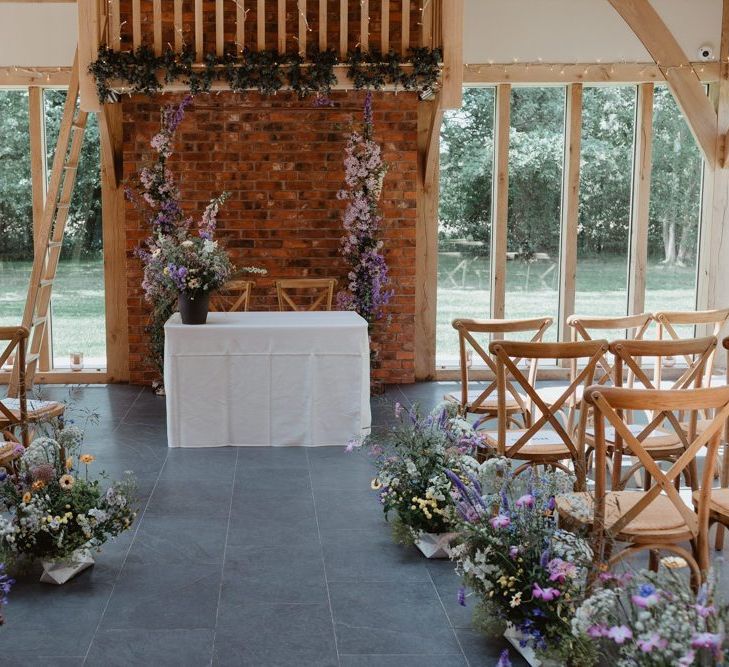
{"x": 703, "y": 611}
{"x": 706, "y": 640}
{"x": 560, "y": 570}
{"x": 547, "y": 594}
{"x": 688, "y": 659}
{"x": 597, "y": 631}
{"x": 620, "y": 633}
{"x": 654, "y": 641}
{"x": 500, "y": 521}
{"x": 527, "y": 500}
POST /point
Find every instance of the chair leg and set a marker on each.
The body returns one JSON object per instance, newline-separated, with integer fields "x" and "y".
{"x": 653, "y": 560}
{"x": 719, "y": 541}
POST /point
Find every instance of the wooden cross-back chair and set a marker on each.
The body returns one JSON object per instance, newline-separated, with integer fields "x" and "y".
{"x": 551, "y": 437}
{"x": 661, "y": 443}
{"x": 232, "y": 297}
{"x": 712, "y": 322}
{"x": 719, "y": 501}
{"x": 14, "y": 417}
{"x": 323, "y": 289}
{"x": 656, "y": 518}
{"x": 483, "y": 400}
{"x": 584, "y": 328}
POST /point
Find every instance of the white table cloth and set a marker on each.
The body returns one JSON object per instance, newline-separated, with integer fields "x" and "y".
{"x": 267, "y": 378}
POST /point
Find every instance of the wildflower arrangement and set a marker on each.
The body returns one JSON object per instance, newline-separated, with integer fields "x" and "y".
{"x": 411, "y": 460}
{"x": 653, "y": 619}
{"x": 6, "y": 583}
{"x": 53, "y": 507}
{"x": 367, "y": 291}
{"x": 524, "y": 570}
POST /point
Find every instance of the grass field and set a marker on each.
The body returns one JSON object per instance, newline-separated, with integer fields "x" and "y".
{"x": 78, "y": 307}
{"x": 601, "y": 290}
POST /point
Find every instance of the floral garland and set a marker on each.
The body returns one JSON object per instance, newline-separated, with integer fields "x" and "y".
{"x": 267, "y": 71}
{"x": 366, "y": 292}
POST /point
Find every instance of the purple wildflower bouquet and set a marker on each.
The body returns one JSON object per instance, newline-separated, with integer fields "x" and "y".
{"x": 367, "y": 292}
{"x": 654, "y": 619}
{"x": 525, "y": 571}
{"x": 6, "y": 583}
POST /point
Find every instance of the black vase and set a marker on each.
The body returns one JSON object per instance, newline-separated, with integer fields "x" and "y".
{"x": 194, "y": 307}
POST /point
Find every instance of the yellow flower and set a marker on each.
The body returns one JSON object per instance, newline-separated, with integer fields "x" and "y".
{"x": 87, "y": 458}
{"x": 37, "y": 485}
{"x": 69, "y": 462}
{"x": 27, "y": 496}
{"x": 66, "y": 482}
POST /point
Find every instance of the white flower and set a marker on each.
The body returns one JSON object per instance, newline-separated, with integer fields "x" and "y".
{"x": 187, "y": 244}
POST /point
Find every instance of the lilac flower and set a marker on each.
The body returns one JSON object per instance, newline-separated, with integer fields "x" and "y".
{"x": 619, "y": 633}
{"x": 560, "y": 570}
{"x": 462, "y": 596}
{"x": 597, "y": 631}
{"x": 351, "y": 445}
{"x": 708, "y": 640}
{"x": 504, "y": 659}
{"x": 527, "y": 500}
{"x": 654, "y": 641}
{"x": 513, "y": 552}
{"x": 688, "y": 659}
{"x": 547, "y": 594}
{"x": 500, "y": 521}
{"x": 646, "y": 597}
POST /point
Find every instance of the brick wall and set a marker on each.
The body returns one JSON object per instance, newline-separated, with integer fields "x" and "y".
{"x": 281, "y": 161}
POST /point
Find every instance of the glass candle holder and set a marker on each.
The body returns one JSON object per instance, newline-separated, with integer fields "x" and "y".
{"x": 77, "y": 361}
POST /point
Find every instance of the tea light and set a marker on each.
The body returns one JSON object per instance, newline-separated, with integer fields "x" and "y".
{"x": 77, "y": 361}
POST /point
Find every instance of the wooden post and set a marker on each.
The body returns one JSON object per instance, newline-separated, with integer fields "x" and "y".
{"x": 136, "y": 23}
{"x": 452, "y": 54}
{"x": 157, "y": 26}
{"x": 323, "y": 37}
{"x": 114, "y": 25}
{"x": 199, "y": 46}
{"x": 405, "y": 28}
{"x": 426, "y": 240}
{"x": 219, "y": 28}
{"x": 385, "y": 27}
{"x": 343, "y": 28}
{"x": 112, "y": 203}
{"x": 364, "y": 24}
{"x": 39, "y": 179}
{"x": 88, "y": 52}
{"x": 640, "y": 199}
{"x": 261, "y": 24}
{"x": 282, "y": 26}
{"x": 303, "y": 27}
{"x": 500, "y": 200}
{"x": 426, "y": 23}
{"x": 177, "y": 23}
{"x": 570, "y": 206}
{"x": 240, "y": 25}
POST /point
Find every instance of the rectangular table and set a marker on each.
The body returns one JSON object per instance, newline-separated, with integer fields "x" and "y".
{"x": 267, "y": 378}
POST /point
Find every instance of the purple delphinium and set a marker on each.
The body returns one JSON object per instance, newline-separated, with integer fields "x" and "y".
{"x": 6, "y": 584}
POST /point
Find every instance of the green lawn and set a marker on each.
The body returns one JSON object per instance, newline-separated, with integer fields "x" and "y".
{"x": 532, "y": 290}
{"x": 78, "y": 307}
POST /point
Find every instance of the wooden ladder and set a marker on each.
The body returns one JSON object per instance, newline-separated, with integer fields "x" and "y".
{"x": 49, "y": 236}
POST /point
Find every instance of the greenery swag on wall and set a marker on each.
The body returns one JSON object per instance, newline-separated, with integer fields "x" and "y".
{"x": 267, "y": 71}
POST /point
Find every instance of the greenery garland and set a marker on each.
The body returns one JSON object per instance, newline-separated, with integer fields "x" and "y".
{"x": 267, "y": 71}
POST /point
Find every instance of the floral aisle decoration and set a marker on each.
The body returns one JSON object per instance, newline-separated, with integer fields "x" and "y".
{"x": 411, "y": 459}
{"x": 367, "y": 291}
{"x": 528, "y": 575}
{"x": 651, "y": 619}
{"x": 55, "y": 511}
{"x": 6, "y": 583}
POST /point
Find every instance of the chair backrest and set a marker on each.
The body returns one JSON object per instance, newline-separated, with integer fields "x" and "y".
{"x": 584, "y": 328}
{"x": 232, "y": 297}
{"x": 322, "y": 288}
{"x": 609, "y": 403}
{"x": 713, "y": 322}
{"x": 16, "y": 340}
{"x": 467, "y": 330}
{"x": 506, "y": 352}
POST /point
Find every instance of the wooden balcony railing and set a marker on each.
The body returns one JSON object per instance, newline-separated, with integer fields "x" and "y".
{"x": 287, "y": 26}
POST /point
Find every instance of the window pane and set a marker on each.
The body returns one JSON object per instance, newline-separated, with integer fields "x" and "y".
{"x": 603, "y": 241}
{"x": 78, "y": 323}
{"x": 536, "y": 154}
{"x": 464, "y": 237}
{"x": 16, "y": 206}
{"x": 675, "y": 211}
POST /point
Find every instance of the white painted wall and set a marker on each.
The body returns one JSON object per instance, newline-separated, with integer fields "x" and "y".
{"x": 495, "y": 30}
{"x": 577, "y": 30}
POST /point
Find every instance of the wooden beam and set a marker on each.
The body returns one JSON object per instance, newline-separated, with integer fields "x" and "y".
{"x": 261, "y": 24}
{"x": 682, "y": 80}
{"x": 282, "y": 26}
{"x": 426, "y": 243}
{"x": 385, "y": 27}
{"x": 177, "y": 24}
{"x": 199, "y": 46}
{"x": 39, "y": 180}
{"x": 114, "y": 24}
{"x": 426, "y": 23}
{"x": 562, "y": 73}
{"x": 114, "y": 234}
{"x": 343, "y": 28}
{"x": 640, "y": 199}
{"x": 157, "y": 25}
{"x": 240, "y": 25}
{"x": 432, "y": 149}
{"x": 303, "y": 27}
{"x": 136, "y": 24}
{"x": 323, "y": 37}
{"x": 219, "y": 28}
{"x": 570, "y": 207}
{"x": 405, "y": 27}
{"x": 500, "y": 200}
{"x": 364, "y": 24}
{"x": 452, "y": 84}
{"x": 42, "y": 77}
{"x": 88, "y": 52}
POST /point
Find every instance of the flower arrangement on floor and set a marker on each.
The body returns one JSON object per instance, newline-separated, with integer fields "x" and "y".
{"x": 6, "y": 583}
{"x": 411, "y": 460}
{"x": 526, "y": 572}
{"x": 54, "y": 508}
{"x": 367, "y": 292}
{"x": 651, "y": 619}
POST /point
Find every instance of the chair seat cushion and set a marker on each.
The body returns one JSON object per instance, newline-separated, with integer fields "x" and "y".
{"x": 661, "y": 520}
{"x": 544, "y": 444}
{"x": 718, "y": 501}
{"x": 551, "y": 395}
{"x": 658, "y": 439}
{"x": 490, "y": 403}
{"x": 36, "y": 409}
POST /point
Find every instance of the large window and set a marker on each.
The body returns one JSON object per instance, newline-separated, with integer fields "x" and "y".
{"x": 534, "y": 227}
{"x": 77, "y": 322}
{"x": 464, "y": 238}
